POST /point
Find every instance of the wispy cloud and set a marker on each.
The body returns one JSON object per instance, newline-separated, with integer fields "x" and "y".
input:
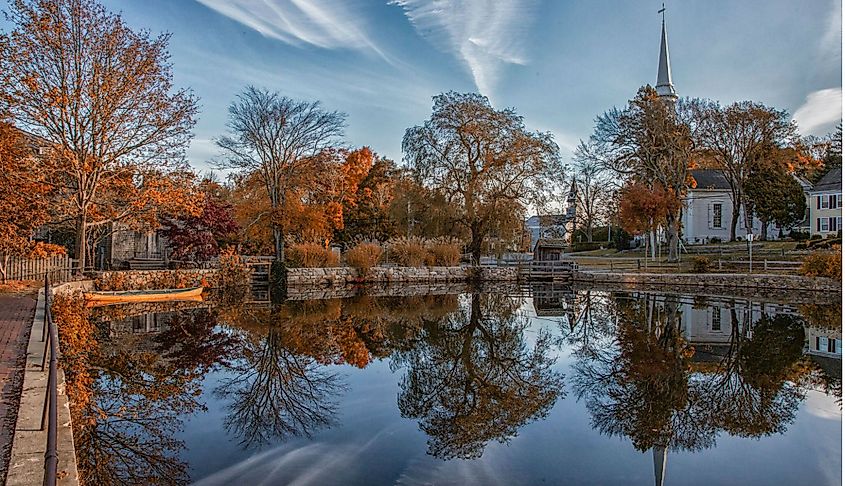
{"x": 831, "y": 41}
{"x": 329, "y": 24}
{"x": 821, "y": 109}
{"x": 485, "y": 34}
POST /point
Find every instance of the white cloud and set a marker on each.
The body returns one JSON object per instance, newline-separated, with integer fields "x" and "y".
{"x": 821, "y": 109}
{"x": 485, "y": 34}
{"x": 330, "y": 24}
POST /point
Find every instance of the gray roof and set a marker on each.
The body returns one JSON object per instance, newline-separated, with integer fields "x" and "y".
{"x": 710, "y": 179}
{"x": 832, "y": 181}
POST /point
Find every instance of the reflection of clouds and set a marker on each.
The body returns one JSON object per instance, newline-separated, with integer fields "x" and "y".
{"x": 314, "y": 463}
{"x": 823, "y": 406}
{"x": 491, "y": 469}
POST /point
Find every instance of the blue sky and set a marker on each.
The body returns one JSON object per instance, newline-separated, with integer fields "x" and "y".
{"x": 559, "y": 63}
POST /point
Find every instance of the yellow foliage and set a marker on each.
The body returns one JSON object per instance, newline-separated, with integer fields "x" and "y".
{"x": 311, "y": 255}
{"x": 824, "y": 264}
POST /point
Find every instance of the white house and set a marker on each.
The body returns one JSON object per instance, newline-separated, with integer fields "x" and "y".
{"x": 707, "y": 210}
{"x": 825, "y": 202}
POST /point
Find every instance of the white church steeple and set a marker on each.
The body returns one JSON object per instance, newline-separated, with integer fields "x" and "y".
{"x": 664, "y": 85}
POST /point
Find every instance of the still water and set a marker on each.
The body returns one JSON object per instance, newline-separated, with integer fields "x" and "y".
{"x": 528, "y": 386}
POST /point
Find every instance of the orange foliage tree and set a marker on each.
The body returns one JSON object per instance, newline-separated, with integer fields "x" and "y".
{"x": 643, "y": 209}
{"x": 23, "y": 199}
{"x": 101, "y": 95}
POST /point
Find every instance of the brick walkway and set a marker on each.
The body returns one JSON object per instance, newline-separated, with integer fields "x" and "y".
{"x": 16, "y": 313}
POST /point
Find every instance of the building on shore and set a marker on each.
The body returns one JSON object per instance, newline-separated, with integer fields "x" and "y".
{"x": 824, "y": 201}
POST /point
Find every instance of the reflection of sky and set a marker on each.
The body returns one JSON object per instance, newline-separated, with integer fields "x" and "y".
{"x": 372, "y": 444}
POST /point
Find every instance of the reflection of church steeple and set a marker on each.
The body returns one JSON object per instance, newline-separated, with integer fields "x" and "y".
{"x": 660, "y": 453}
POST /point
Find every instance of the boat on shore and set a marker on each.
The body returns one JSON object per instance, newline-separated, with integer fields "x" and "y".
{"x": 158, "y": 295}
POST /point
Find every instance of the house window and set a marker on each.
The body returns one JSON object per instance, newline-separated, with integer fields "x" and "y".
{"x": 831, "y": 345}
{"x": 821, "y": 343}
{"x": 822, "y": 224}
{"x": 717, "y": 215}
{"x": 716, "y": 322}
{"x": 839, "y": 200}
{"x": 824, "y": 202}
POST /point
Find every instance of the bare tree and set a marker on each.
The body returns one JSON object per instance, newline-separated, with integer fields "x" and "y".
{"x": 649, "y": 142}
{"x": 484, "y": 161}
{"x": 277, "y": 137}
{"x": 593, "y": 189}
{"x": 102, "y": 95}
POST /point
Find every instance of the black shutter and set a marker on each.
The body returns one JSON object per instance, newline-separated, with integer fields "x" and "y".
{"x": 818, "y": 202}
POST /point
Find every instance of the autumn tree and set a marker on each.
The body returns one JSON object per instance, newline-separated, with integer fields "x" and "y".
{"x": 101, "y": 95}
{"x": 774, "y": 195}
{"x": 642, "y": 209}
{"x": 483, "y": 160}
{"x": 735, "y": 136}
{"x": 200, "y": 238}
{"x": 369, "y": 216}
{"x": 24, "y": 203}
{"x": 277, "y": 139}
{"x": 651, "y": 143}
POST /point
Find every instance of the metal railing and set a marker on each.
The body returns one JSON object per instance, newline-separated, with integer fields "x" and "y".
{"x": 49, "y": 416}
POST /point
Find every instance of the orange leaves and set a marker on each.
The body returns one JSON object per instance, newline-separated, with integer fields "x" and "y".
{"x": 643, "y": 208}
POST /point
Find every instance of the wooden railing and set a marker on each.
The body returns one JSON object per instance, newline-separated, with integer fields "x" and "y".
{"x": 59, "y": 268}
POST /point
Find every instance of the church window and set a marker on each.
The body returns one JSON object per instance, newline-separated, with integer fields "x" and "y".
{"x": 717, "y": 215}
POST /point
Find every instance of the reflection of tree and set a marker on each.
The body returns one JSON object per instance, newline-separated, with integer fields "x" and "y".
{"x": 276, "y": 393}
{"x": 591, "y": 324}
{"x": 472, "y": 378}
{"x": 751, "y": 394}
{"x": 642, "y": 391}
{"x": 644, "y": 388}
{"x": 126, "y": 433}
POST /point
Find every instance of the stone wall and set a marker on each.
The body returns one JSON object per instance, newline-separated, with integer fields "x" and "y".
{"x": 155, "y": 279}
{"x": 690, "y": 281}
{"x": 345, "y": 275}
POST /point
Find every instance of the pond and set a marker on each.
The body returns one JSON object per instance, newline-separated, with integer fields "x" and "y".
{"x": 531, "y": 386}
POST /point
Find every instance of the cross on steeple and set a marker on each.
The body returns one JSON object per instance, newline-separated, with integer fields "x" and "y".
{"x": 663, "y": 11}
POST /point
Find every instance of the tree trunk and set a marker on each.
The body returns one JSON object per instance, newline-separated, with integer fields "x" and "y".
{"x": 475, "y": 244}
{"x": 674, "y": 237}
{"x": 278, "y": 243}
{"x": 764, "y": 231}
{"x": 80, "y": 251}
{"x": 589, "y": 231}
{"x": 734, "y": 219}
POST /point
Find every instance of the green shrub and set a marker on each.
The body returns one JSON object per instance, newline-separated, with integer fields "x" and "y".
{"x": 589, "y": 246}
{"x": 799, "y": 235}
{"x": 311, "y": 255}
{"x": 364, "y": 256}
{"x": 823, "y": 264}
{"x": 701, "y": 264}
{"x": 816, "y": 237}
{"x": 408, "y": 252}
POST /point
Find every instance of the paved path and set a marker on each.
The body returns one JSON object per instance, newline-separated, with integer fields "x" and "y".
{"x": 16, "y": 313}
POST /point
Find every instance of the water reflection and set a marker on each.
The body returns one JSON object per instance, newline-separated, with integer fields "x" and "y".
{"x": 472, "y": 379}
{"x": 665, "y": 372}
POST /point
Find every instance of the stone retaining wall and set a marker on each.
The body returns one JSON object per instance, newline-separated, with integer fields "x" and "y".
{"x": 689, "y": 281}
{"x": 149, "y": 279}
{"x": 345, "y": 275}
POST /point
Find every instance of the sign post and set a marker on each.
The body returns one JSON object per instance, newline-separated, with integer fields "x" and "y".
{"x": 750, "y": 238}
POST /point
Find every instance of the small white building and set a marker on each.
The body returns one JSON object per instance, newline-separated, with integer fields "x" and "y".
{"x": 825, "y": 203}
{"x": 707, "y": 211}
